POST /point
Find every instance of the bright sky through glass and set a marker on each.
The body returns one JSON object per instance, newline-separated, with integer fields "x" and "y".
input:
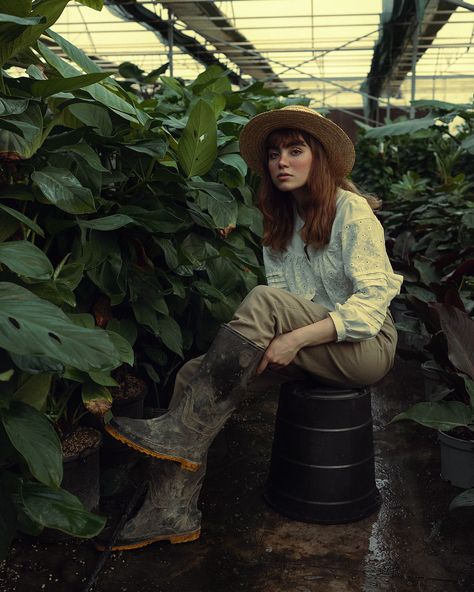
{"x": 321, "y": 47}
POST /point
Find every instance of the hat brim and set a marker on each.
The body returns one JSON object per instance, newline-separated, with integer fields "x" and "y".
{"x": 337, "y": 144}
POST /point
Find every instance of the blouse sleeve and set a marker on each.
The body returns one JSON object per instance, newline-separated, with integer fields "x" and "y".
{"x": 364, "y": 256}
{"x": 274, "y": 269}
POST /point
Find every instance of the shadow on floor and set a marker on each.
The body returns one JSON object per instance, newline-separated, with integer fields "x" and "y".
{"x": 411, "y": 544}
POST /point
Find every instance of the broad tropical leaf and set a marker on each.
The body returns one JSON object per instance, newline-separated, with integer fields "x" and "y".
{"x": 459, "y": 330}
{"x": 64, "y": 190}
{"x": 401, "y": 127}
{"x": 22, "y": 218}
{"x": 440, "y": 415}
{"x": 57, "y": 508}
{"x": 24, "y": 145}
{"x": 25, "y": 259}
{"x": 14, "y": 37}
{"x": 197, "y": 147}
{"x": 46, "y": 88}
{"x": 34, "y": 438}
{"x": 32, "y": 326}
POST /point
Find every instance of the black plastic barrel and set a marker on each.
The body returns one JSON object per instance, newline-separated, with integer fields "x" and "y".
{"x": 322, "y": 465}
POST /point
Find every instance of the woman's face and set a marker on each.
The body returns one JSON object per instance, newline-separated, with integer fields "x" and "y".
{"x": 289, "y": 164}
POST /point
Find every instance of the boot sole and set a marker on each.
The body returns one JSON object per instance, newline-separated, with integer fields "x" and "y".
{"x": 185, "y": 464}
{"x": 174, "y": 539}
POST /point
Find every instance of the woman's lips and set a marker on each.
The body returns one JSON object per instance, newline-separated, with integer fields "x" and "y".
{"x": 283, "y": 177}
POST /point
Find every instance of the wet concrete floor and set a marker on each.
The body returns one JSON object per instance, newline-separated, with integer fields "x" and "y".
{"x": 412, "y": 544}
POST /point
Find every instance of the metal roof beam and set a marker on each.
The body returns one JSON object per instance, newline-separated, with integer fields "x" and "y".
{"x": 215, "y": 26}
{"x": 135, "y": 12}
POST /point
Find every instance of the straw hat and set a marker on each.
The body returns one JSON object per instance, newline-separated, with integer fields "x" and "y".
{"x": 337, "y": 144}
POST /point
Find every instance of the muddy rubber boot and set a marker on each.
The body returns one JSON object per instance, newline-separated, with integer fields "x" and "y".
{"x": 169, "y": 511}
{"x": 185, "y": 433}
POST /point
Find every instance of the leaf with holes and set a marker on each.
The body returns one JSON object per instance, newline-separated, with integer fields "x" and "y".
{"x": 32, "y": 326}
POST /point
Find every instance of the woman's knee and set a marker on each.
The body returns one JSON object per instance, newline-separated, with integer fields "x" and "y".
{"x": 262, "y": 294}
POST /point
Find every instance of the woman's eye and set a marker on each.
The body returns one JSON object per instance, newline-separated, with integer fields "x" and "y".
{"x": 272, "y": 155}
{"x": 295, "y": 152}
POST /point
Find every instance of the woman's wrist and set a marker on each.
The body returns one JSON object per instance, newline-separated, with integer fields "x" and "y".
{"x": 323, "y": 331}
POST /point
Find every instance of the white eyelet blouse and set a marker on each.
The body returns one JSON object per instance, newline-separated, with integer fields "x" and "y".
{"x": 351, "y": 276}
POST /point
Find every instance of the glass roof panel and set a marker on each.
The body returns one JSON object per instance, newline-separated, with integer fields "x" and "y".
{"x": 321, "y": 47}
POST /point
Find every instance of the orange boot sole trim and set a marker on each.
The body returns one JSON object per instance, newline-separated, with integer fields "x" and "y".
{"x": 174, "y": 539}
{"x": 185, "y": 464}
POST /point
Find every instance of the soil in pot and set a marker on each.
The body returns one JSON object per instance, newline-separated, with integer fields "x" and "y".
{"x": 129, "y": 396}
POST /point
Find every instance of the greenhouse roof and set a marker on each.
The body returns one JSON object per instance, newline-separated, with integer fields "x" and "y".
{"x": 322, "y": 48}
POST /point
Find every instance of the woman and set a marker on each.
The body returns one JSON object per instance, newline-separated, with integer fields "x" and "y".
{"x": 324, "y": 312}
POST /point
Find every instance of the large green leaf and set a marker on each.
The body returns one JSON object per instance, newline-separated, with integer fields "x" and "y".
{"x": 34, "y": 438}
{"x": 122, "y": 346}
{"x": 160, "y": 220}
{"x": 32, "y": 326}
{"x": 32, "y": 20}
{"x": 46, "y": 88}
{"x": 88, "y": 154}
{"x": 98, "y": 91}
{"x": 26, "y": 144}
{"x": 26, "y": 259}
{"x": 220, "y": 203}
{"x": 13, "y": 106}
{"x": 15, "y": 37}
{"x": 22, "y": 218}
{"x": 112, "y": 222}
{"x": 64, "y": 190}
{"x": 18, "y": 8}
{"x": 34, "y": 390}
{"x": 401, "y": 127}
{"x": 94, "y": 115}
{"x": 213, "y": 80}
{"x": 440, "y": 415}
{"x": 236, "y": 162}
{"x": 170, "y": 333}
{"x": 57, "y": 508}
{"x": 197, "y": 147}
{"x": 459, "y": 330}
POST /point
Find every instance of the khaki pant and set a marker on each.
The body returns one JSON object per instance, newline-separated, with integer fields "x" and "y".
{"x": 267, "y": 312}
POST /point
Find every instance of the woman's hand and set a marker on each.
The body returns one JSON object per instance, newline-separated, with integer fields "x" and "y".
{"x": 284, "y": 348}
{"x": 280, "y": 353}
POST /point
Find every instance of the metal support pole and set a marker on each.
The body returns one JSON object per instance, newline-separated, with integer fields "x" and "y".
{"x": 170, "y": 40}
{"x": 414, "y": 59}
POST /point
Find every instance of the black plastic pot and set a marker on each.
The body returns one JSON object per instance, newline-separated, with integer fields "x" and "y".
{"x": 322, "y": 466}
{"x": 457, "y": 460}
{"x": 412, "y": 335}
{"x": 434, "y": 387}
{"x": 81, "y": 477}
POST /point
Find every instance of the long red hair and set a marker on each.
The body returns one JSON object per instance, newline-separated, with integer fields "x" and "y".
{"x": 320, "y": 206}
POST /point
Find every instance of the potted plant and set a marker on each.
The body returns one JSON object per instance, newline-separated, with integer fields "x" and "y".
{"x": 452, "y": 416}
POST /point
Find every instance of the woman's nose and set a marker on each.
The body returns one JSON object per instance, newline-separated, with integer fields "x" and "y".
{"x": 282, "y": 161}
